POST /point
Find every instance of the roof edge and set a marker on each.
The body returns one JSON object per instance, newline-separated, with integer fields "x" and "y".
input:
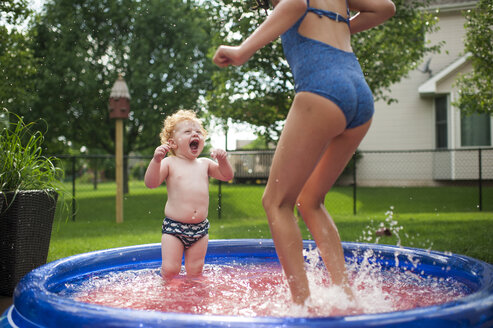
{"x": 452, "y": 6}
{"x": 429, "y": 87}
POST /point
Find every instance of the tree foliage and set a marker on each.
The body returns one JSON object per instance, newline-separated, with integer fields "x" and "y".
{"x": 17, "y": 63}
{"x": 14, "y": 11}
{"x": 476, "y": 88}
{"x": 82, "y": 45}
{"x": 260, "y": 92}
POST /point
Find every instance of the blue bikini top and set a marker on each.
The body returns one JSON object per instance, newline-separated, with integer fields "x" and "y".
{"x": 330, "y": 14}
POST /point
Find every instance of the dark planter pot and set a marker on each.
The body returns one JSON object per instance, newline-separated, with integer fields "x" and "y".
{"x": 25, "y": 232}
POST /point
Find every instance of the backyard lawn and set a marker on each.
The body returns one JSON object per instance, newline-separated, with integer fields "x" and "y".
{"x": 441, "y": 219}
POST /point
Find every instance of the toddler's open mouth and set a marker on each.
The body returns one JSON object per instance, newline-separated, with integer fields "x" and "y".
{"x": 194, "y": 145}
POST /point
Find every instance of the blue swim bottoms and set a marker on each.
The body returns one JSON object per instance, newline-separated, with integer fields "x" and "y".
{"x": 187, "y": 233}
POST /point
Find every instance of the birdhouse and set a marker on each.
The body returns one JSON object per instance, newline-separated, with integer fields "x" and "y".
{"x": 119, "y": 104}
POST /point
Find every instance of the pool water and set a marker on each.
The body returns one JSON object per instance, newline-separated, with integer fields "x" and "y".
{"x": 260, "y": 289}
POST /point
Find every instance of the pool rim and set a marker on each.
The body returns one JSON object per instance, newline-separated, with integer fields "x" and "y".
{"x": 36, "y": 282}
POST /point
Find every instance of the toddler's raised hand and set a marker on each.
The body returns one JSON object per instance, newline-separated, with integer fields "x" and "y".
{"x": 161, "y": 151}
{"x": 219, "y": 154}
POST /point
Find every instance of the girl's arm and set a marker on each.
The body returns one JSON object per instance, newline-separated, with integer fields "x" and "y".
{"x": 284, "y": 15}
{"x": 370, "y": 13}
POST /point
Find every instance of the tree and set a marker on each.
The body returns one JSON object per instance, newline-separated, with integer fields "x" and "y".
{"x": 260, "y": 92}
{"x": 476, "y": 88}
{"x": 14, "y": 11}
{"x": 17, "y": 63}
{"x": 82, "y": 45}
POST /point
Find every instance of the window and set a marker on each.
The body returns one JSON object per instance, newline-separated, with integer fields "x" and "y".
{"x": 475, "y": 130}
{"x": 441, "y": 106}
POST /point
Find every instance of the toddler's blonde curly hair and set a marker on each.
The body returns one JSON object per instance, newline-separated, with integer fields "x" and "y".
{"x": 171, "y": 121}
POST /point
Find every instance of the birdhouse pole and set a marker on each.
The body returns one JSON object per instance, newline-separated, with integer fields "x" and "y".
{"x": 119, "y": 106}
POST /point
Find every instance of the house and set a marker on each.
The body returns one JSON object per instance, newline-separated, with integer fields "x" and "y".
{"x": 423, "y": 139}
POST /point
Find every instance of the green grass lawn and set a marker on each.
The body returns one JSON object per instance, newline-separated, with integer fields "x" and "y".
{"x": 429, "y": 217}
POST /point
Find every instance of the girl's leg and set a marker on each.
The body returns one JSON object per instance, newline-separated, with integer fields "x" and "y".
{"x": 194, "y": 257}
{"x": 172, "y": 253}
{"x": 311, "y": 200}
{"x": 311, "y": 124}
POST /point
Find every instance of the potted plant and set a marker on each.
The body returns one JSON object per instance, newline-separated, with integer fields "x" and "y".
{"x": 29, "y": 185}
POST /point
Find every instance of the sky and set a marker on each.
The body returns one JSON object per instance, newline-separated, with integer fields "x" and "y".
{"x": 36, "y": 4}
{"x": 216, "y": 134}
{"x": 236, "y": 132}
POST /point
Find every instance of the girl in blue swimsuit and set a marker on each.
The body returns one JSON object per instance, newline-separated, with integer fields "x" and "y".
{"x": 328, "y": 118}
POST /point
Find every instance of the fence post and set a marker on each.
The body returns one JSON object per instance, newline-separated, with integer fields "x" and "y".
{"x": 354, "y": 184}
{"x": 219, "y": 196}
{"x": 95, "y": 181}
{"x": 480, "y": 182}
{"x": 73, "y": 188}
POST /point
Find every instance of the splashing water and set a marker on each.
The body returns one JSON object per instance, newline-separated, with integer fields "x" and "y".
{"x": 260, "y": 289}
{"x": 374, "y": 232}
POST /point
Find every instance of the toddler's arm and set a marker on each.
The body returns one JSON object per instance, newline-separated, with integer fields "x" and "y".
{"x": 370, "y": 13}
{"x": 157, "y": 172}
{"x": 284, "y": 15}
{"x": 222, "y": 170}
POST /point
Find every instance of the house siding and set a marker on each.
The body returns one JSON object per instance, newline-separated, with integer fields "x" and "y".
{"x": 409, "y": 124}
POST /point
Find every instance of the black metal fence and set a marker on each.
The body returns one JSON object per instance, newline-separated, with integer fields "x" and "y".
{"x": 465, "y": 175}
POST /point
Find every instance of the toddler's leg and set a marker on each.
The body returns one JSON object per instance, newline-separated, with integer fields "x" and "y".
{"x": 194, "y": 257}
{"x": 311, "y": 124}
{"x": 172, "y": 254}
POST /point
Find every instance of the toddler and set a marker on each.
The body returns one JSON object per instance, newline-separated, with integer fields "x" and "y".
{"x": 185, "y": 226}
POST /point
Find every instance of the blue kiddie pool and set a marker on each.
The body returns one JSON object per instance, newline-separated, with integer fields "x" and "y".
{"x": 40, "y": 301}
